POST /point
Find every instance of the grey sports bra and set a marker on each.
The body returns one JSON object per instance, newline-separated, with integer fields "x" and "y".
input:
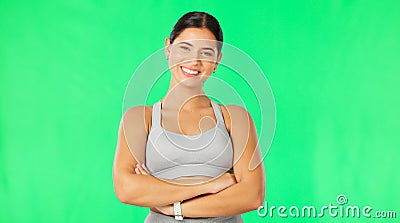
{"x": 170, "y": 155}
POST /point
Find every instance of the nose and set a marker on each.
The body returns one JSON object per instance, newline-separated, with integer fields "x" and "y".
{"x": 194, "y": 58}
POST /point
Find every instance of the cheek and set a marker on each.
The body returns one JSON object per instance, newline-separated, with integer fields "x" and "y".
{"x": 208, "y": 65}
{"x": 176, "y": 58}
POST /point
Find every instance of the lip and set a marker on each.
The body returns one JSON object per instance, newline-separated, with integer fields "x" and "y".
{"x": 187, "y": 74}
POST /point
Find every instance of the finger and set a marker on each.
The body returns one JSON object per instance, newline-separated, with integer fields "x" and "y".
{"x": 142, "y": 171}
{"x": 137, "y": 171}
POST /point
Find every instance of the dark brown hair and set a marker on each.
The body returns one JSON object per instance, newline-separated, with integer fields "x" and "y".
{"x": 198, "y": 20}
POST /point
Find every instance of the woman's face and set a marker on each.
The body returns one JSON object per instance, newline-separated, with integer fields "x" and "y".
{"x": 193, "y": 56}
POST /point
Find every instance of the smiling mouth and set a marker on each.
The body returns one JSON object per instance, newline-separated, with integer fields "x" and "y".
{"x": 189, "y": 72}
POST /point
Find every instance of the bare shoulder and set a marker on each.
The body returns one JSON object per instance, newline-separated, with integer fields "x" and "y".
{"x": 236, "y": 109}
{"x": 139, "y": 110}
{"x": 139, "y": 114}
{"x": 233, "y": 113}
{"x": 132, "y": 136}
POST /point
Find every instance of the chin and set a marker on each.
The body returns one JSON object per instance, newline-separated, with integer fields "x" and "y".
{"x": 191, "y": 82}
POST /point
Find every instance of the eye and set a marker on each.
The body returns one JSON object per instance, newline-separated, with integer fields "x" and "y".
{"x": 184, "y": 48}
{"x": 208, "y": 54}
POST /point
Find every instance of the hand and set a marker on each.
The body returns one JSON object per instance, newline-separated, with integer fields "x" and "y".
{"x": 141, "y": 169}
{"x": 167, "y": 210}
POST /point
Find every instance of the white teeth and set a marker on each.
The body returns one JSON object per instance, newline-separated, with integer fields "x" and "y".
{"x": 190, "y": 71}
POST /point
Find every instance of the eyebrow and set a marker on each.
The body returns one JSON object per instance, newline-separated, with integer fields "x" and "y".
{"x": 205, "y": 48}
{"x": 185, "y": 43}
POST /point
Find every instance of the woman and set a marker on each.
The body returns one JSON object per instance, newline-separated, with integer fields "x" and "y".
{"x": 187, "y": 157}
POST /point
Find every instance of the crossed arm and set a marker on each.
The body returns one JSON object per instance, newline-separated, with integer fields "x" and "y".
{"x": 245, "y": 195}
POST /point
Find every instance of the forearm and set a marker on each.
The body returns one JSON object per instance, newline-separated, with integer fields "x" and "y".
{"x": 149, "y": 191}
{"x": 236, "y": 199}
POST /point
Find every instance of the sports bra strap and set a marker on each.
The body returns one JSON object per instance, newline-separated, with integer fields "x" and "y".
{"x": 218, "y": 113}
{"x": 156, "y": 115}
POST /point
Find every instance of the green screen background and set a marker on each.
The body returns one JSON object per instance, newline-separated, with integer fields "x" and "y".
{"x": 64, "y": 65}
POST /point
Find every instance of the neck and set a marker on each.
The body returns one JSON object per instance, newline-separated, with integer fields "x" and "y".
{"x": 181, "y": 97}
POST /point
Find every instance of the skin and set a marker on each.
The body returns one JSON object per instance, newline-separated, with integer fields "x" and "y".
{"x": 187, "y": 110}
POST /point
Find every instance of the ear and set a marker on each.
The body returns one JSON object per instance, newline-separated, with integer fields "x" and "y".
{"x": 218, "y": 59}
{"x": 167, "y": 45}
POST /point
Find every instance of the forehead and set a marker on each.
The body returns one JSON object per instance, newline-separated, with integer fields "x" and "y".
{"x": 198, "y": 37}
{"x": 195, "y": 33}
